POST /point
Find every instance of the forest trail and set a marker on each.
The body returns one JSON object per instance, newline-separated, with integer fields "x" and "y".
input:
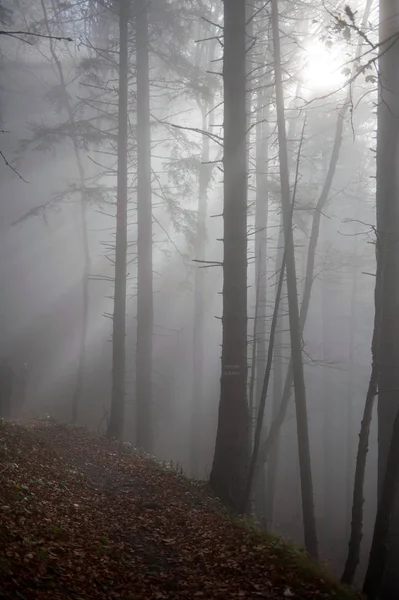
{"x": 85, "y": 518}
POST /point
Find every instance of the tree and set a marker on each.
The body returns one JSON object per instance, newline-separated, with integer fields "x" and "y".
{"x": 387, "y": 290}
{"x": 116, "y": 421}
{"x": 205, "y": 98}
{"x": 230, "y": 459}
{"x": 144, "y": 236}
{"x": 296, "y": 345}
{"x": 386, "y": 505}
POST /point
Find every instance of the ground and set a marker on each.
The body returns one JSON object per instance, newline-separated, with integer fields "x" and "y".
{"x": 86, "y": 518}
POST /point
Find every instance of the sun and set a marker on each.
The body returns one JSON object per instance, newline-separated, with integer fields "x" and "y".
{"x": 323, "y": 68}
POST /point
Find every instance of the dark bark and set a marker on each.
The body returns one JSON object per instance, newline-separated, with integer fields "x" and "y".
{"x": 262, "y": 403}
{"x": 356, "y": 533}
{"x": 388, "y": 260}
{"x": 272, "y": 466}
{"x": 349, "y": 466}
{"x": 329, "y": 531}
{"x": 116, "y": 421}
{"x": 295, "y": 330}
{"x": 380, "y": 546}
{"x": 356, "y": 536}
{"x": 230, "y": 460}
{"x": 144, "y": 238}
{"x": 309, "y": 277}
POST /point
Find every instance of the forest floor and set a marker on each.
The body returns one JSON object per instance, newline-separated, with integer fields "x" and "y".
{"x": 85, "y": 518}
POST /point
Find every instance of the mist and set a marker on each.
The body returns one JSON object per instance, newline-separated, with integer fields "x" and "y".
{"x": 62, "y": 214}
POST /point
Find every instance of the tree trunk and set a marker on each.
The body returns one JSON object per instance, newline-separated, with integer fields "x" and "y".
{"x": 349, "y": 466}
{"x": 204, "y": 178}
{"x": 380, "y": 546}
{"x": 266, "y": 379}
{"x": 144, "y": 238}
{"x": 116, "y": 422}
{"x": 199, "y": 302}
{"x": 295, "y": 330}
{"x": 355, "y": 539}
{"x": 230, "y": 460}
{"x": 272, "y": 466}
{"x": 329, "y": 533}
{"x": 258, "y": 361}
{"x": 388, "y": 259}
{"x": 261, "y": 218}
{"x": 314, "y": 237}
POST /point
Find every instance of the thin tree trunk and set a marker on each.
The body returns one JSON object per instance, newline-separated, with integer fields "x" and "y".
{"x": 295, "y": 330}
{"x": 273, "y": 462}
{"x": 349, "y": 467}
{"x": 230, "y": 460}
{"x": 83, "y": 221}
{"x": 116, "y": 422}
{"x": 327, "y": 427}
{"x": 272, "y": 466}
{"x": 309, "y": 278}
{"x": 254, "y": 372}
{"x": 262, "y": 404}
{"x": 356, "y": 536}
{"x": 261, "y": 219}
{"x": 205, "y": 174}
{"x": 144, "y": 238}
{"x": 199, "y": 302}
{"x": 258, "y": 359}
{"x": 382, "y": 528}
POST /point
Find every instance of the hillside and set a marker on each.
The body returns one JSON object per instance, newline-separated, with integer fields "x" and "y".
{"x": 83, "y": 518}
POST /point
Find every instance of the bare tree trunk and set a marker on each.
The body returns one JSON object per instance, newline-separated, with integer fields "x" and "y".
{"x": 199, "y": 302}
{"x": 272, "y": 466}
{"x": 350, "y": 394}
{"x": 295, "y": 330}
{"x": 144, "y": 238}
{"x": 262, "y": 404}
{"x": 382, "y": 529}
{"x": 83, "y": 220}
{"x": 261, "y": 219}
{"x": 356, "y": 535}
{"x": 385, "y": 346}
{"x": 204, "y": 178}
{"x": 327, "y": 426}
{"x": 388, "y": 259}
{"x": 230, "y": 460}
{"x": 309, "y": 278}
{"x": 116, "y": 422}
{"x": 258, "y": 362}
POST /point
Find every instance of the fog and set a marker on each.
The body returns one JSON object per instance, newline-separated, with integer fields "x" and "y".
{"x": 42, "y": 265}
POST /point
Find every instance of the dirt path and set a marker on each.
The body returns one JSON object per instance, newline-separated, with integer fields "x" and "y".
{"x": 82, "y": 519}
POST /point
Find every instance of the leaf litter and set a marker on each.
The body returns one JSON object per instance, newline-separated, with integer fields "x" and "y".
{"x": 86, "y": 518}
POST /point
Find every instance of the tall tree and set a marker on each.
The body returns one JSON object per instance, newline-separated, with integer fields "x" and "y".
{"x": 380, "y": 546}
{"x": 205, "y": 98}
{"x": 230, "y": 459}
{"x": 387, "y": 272}
{"x": 144, "y": 236}
{"x": 309, "y": 520}
{"x": 116, "y": 421}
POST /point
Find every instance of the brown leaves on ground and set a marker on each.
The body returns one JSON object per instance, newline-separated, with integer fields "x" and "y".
{"x": 85, "y": 518}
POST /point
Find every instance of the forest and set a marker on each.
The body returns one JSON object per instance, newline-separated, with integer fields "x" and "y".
{"x": 199, "y": 240}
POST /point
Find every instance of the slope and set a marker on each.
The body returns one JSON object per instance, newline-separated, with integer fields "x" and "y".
{"x": 85, "y": 518}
